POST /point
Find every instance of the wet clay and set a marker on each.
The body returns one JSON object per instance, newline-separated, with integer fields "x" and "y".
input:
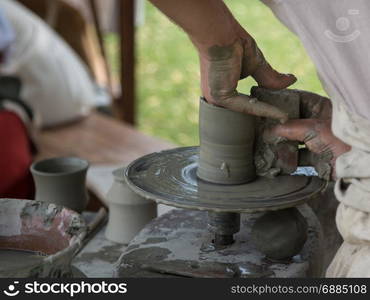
{"x": 169, "y": 177}
{"x": 277, "y": 156}
{"x": 182, "y": 247}
{"x": 226, "y": 145}
{"x": 281, "y": 234}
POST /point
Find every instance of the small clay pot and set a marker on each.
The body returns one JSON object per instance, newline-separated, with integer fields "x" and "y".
{"x": 61, "y": 181}
{"x": 226, "y": 145}
{"x": 128, "y": 212}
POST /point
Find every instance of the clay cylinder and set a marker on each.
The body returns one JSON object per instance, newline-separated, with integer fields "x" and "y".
{"x": 62, "y": 181}
{"x": 226, "y": 145}
{"x": 128, "y": 212}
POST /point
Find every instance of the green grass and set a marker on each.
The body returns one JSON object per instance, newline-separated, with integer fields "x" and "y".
{"x": 168, "y": 72}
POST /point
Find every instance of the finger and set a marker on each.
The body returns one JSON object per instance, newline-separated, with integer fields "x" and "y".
{"x": 247, "y": 105}
{"x": 255, "y": 64}
{"x": 266, "y": 76}
{"x": 314, "y": 106}
{"x": 269, "y": 78}
{"x": 294, "y": 130}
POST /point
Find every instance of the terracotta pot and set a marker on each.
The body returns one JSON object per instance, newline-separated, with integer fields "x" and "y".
{"x": 128, "y": 212}
{"x": 62, "y": 181}
{"x": 226, "y": 145}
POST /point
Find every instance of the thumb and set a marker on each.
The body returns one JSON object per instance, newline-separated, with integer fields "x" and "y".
{"x": 264, "y": 74}
{"x": 247, "y": 105}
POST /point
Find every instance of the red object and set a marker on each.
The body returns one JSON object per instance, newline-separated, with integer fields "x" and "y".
{"x": 15, "y": 158}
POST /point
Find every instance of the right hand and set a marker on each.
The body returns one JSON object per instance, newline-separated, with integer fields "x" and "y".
{"x": 223, "y": 66}
{"x": 227, "y": 54}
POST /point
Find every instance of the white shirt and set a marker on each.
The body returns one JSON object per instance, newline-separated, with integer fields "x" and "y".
{"x": 336, "y": 35}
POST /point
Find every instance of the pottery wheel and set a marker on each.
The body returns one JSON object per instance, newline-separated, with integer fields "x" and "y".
{"x": 169, "y": 177}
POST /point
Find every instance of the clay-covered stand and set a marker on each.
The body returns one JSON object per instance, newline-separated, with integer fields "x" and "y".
{"x": 234, "y": 223}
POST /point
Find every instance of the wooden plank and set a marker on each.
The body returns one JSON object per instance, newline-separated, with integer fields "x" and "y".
{"x": 100, "y": 140}
{"x": 125, "y": 105}
{"x": 99, "y": 32}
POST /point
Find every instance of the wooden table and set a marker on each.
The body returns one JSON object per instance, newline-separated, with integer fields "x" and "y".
{"x": 98, "y": 139}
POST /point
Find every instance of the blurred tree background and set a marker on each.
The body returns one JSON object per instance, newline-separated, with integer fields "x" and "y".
{"x": 168, "y": 71}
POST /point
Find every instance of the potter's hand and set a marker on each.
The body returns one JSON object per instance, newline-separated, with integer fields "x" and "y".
{"x": 223, "y": 66}
{"x": 315, "y": 131}
{"x": 227, "y": 54}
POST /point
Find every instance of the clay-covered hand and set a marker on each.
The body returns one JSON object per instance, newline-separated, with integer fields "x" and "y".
{"x": 314, "y": 130}
{"x": 223, "y": 66}
{"x": 227, "y": 54}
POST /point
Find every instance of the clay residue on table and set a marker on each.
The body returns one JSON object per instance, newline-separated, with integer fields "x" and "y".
{"x": 183, "y": 251}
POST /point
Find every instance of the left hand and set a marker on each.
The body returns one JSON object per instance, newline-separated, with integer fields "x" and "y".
{"x": 315, "y": 131}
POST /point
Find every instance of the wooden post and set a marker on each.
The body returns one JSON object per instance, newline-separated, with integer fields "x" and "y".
{"x": 99, "y": 32}
{"x": 125, "y": 105}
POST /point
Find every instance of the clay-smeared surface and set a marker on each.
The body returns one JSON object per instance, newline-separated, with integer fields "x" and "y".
{"x": 178, "y": 244}
{"x": 28, "y": 228}
{"x": 169, "y": 177}
{"x": 98, "y": 256}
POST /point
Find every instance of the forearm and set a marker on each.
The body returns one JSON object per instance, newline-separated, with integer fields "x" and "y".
{"x": 207, "y": 22}
{"x": 227, "y": 54}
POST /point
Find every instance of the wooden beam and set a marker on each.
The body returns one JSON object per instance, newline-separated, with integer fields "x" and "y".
{"x": 125, "y": 105}
{"x": 99, "y": 32}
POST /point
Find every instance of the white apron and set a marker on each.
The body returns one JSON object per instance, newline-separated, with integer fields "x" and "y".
{"x": 336, "y": 35}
